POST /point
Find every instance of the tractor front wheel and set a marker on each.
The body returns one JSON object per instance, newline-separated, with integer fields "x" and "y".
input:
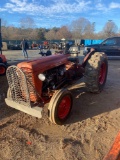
{"x": 96, "y": 72}
{"x": 60, "y": 106}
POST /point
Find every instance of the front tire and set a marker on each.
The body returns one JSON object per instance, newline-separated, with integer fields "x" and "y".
{"x": 96, "y": 72}
{"x": 60, "y": 106}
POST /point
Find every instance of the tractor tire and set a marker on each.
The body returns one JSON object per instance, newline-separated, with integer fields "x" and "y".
{"x": 96, "y": 72}
{"x": 2, "y": 69}
{"x": 60, "y": 106}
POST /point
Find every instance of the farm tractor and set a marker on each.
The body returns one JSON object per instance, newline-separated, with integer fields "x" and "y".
{"x": 3, "y": 64}
{"x": 34, "y": 83}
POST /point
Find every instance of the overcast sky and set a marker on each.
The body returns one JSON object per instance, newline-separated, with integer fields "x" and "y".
{"x": 56, "y": 13}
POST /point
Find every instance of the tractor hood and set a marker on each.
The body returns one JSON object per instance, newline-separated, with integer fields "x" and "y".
{"x": 45, "y": 63}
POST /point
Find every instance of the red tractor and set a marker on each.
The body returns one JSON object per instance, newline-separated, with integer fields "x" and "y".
{"x": 3, "y": 61}
{"x": 3, "y": 65}
{"x": 34, "y": 83}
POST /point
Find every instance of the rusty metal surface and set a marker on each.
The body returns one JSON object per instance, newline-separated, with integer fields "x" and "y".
{"x": 18, "y": 86}
{"x": 45, "y": 63}
{"x": 31, "y": 82}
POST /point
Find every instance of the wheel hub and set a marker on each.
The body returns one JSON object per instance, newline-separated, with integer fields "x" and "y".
{"x": 64, "y": 107}
{"x": 102, "y": 73}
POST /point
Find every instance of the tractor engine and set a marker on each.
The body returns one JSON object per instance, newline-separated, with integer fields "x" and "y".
{"x": 53, "y": 78}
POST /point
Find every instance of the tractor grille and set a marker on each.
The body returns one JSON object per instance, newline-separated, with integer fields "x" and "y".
{"x": 30, "y": 84}
{"x": 21, "y": 86}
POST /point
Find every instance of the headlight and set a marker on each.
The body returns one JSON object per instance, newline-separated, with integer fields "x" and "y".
{"x": 41, "y": 77}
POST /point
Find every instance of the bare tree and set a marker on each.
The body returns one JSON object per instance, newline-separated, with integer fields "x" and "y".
{"x": 63, "y": 32}
{"x": 50, "y": 35}
{"x": 89, "y": 31}
{"x": 41, "y": 33}
{"x": 81, "y": 27}
{"x": 110, "y": 29}
{"x": 27, "y": 22}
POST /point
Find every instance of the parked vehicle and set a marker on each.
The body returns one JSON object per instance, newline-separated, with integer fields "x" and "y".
{"x": 54, "y": 45}
{"x": 14, "y": 46}
{"x": 110, "y": 46}
{"x": 46, "y": 44}
{"x": 36, "y": 82}
{"x": 34, "y": 46}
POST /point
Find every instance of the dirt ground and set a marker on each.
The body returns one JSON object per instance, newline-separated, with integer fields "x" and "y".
{"x": 87, "y": 135}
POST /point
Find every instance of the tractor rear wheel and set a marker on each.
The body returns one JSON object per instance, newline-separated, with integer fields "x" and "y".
{"x": 96, "y": 72}
{"x": 2, "y": 69}
{"x": 60, "y": 106}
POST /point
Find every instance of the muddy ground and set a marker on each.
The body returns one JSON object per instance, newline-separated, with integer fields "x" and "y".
{"x": 87, "y": 135}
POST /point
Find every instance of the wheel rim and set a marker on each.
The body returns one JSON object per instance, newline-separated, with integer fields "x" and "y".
{"x": 64, "y": 107}
{"x": 102, "y": 74}
{"x": 2, "y": 70}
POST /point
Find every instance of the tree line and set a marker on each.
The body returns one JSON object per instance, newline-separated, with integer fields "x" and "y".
{"x": 81, "y": 28}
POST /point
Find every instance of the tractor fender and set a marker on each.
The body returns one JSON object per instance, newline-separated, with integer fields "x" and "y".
{"x": 87, "y": 57}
